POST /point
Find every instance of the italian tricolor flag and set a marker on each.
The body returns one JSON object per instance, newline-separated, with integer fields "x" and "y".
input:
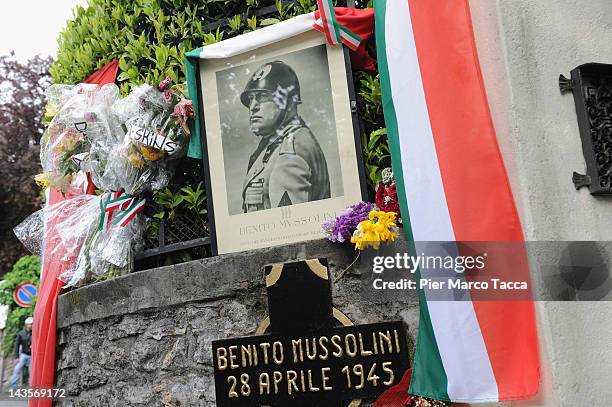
{"x": 453, "y": 187}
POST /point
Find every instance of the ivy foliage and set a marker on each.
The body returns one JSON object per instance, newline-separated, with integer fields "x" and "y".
{"x": 25, "y": 269}
{"x": 150, "y": 37}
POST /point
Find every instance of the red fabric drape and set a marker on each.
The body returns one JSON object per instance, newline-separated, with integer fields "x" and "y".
{"x": 42, "y": 367}
{"x": 106, "y": 74}
{"x": 396, "y": 396}
{"x": 44, "y": 334}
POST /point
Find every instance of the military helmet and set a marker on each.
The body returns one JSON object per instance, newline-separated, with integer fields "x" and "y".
{"x": 269, "y": 78}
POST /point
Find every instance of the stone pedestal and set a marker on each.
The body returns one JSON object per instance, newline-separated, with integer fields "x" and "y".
{"x": 145, "y": 339}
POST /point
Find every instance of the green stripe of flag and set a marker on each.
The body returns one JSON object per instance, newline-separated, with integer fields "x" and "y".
{"x": 332, "y": 16}
{"x": 428, "y": 375}
{"x": 191, "y": 71}
{"x": 128, "y": 212}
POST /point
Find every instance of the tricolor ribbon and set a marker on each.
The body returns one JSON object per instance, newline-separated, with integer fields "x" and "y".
{"x": 105, "y": 217}
{"x": 128, "y": 214}
{"x": 127, "y": 205}
{"x": 334, "y": 31}
{"x": 349, "y": 38}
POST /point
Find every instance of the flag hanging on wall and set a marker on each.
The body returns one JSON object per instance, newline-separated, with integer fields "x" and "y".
{"x": 452, "y": 187}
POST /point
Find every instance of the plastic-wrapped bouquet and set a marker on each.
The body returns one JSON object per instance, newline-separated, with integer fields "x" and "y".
{"x": 96, "y": 235}
{"x": 154, "y": 135}
{"x": 139, "y": 163}
{"x": 80, "y": 126}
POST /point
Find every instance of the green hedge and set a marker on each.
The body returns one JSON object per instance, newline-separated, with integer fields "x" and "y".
{"x": 25, "y": 269}
{"x": 149, "y": 37}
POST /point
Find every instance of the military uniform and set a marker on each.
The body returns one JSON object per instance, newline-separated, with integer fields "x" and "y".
{"x": 289, "y": 170}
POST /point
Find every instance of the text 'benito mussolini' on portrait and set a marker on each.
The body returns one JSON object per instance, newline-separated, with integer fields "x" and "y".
{"x": 283, "y": 224}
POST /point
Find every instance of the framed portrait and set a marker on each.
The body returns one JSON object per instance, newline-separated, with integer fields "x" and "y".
{"x": 280, "y": 139}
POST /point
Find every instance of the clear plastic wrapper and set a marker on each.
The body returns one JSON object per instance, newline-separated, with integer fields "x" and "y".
{"x": 153, "y": 137}
{"x": 70, "y": 233}
{"x": 127, "y": 146}
{"x": 106, "y": 253}
{"x": 59, "y": 230}
{"x": 80, "y": 136}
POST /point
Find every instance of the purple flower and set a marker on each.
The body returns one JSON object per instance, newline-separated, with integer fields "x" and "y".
{"x": 165, "y": 84}
{"x": 328, "y": 226}
{"x": 341, "y": 229}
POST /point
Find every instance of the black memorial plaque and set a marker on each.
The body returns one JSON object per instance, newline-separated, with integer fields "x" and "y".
{"x": 305, "y": 358}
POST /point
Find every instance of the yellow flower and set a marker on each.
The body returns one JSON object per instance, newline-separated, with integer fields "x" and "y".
{"x": 52, "y": 180}
{"x": 150, "y": 153}
{"x": 380, "y": 227}
{"x": 43, "y": 180}
{"x": 136, "y": 159}
{"x": 51, "y": 110}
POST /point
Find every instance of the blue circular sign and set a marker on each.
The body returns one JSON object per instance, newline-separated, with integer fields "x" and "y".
{"x": 24, "y": 294}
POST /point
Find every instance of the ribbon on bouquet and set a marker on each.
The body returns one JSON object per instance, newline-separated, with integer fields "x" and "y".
{"x": 126, "y": 205}
{"x": 334, "y": 31}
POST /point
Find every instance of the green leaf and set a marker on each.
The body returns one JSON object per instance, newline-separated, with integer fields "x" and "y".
{"x": 379, "y": 132}
{"x": 269, "y": 21}
{"x": 177, "y": 200}
{"x": 371, "y": 170}
{"x": 235, "y": 23}
{"x": 252, "y": 23}
{"x": 161, "y": 56}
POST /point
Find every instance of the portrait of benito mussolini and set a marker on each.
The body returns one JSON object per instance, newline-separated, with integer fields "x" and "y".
{"x": 288, "y": 166}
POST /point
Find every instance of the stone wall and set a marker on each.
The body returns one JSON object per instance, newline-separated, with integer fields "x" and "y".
{"x": 145, "y": 339}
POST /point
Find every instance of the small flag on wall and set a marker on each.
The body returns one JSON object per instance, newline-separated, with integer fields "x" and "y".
{"x": 452, "y": 187}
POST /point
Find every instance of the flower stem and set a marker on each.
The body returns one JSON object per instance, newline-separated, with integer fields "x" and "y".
{"x": 343, "y": 272}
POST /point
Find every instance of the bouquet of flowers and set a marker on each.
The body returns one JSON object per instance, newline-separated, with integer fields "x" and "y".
{"x": 151, "y": 136}
{"x": 362, "y": 224}
{"x": 154, "y": 136}
{"x": 341, "y": 229}
{"x": 80, "y": 124}
{"x": 97, "y": 235}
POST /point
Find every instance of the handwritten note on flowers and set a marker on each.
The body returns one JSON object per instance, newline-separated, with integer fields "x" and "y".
{"x": 153, "y": 140}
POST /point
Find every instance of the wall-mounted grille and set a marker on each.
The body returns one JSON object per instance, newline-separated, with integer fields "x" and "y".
{"x": 591, "y": 85}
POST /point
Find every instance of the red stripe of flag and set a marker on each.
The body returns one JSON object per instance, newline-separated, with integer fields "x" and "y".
{"x": 477, "y": 191}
